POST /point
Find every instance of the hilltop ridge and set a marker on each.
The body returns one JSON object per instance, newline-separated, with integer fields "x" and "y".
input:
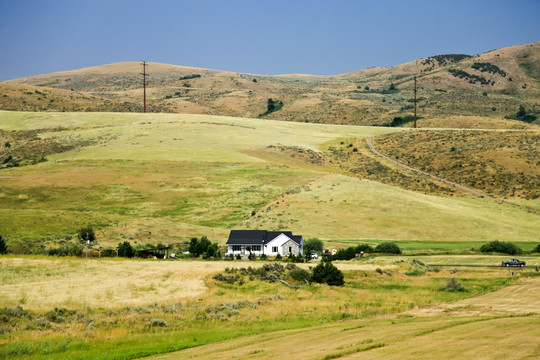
{"x": 491, "y": 85}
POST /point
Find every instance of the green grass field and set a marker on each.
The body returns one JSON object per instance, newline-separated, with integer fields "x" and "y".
{"x": 151, "y": 178}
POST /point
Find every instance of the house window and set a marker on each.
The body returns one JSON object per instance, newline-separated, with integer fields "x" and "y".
{"x": 256, "y": 248}
{"x": 236, "y": 248}
{"x": 274, "y": 249}
{"x": 290, "y": 250}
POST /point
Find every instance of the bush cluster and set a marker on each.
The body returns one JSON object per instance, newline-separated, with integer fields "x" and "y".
{"x": 453, "y": 284}
{"x": 267, "y": 272}
{"x": 501, "y": 247}
{"x": 68, "y": 249}
{"x": 126, "y": 250}
{"x": 488, "y": 67}
{"x": 203, "y": 247}
{"x": 473, "y": 79}
{"x": 327, "y": 273}
{"x": 388, "y": 248}
{"x": 522, "y": 115}
{"x": 350, "y": 252}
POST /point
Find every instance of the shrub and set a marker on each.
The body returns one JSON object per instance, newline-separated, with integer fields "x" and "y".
{"x": 156, "y": 322}
{"x": 327, "y": 273}
{"x": 300, "y": 274}
{"x": 388, "y": 248}
{"x": 365, "y": 248}
{"x": 126, "y": 250}
{"x": 536, "y": 249}
{"x": 522, "y": 115}
{"x": 68, "y": 249}
{"x": 453, "y": 284}
{"x": 415, "y": 272}
{"x": 3, "y": 246}
{"x": 501, "y": 247}
{"x": 86, "y": 234}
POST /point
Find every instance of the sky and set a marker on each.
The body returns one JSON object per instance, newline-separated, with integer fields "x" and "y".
{"x": 256, "y": 37}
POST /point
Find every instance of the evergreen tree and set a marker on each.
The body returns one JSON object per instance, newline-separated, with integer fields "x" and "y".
{"x": 327, "y": 273}
{"x": 86, "y": 234}
{"x": 3, "y": 246}
{"x": 126, "y": 250}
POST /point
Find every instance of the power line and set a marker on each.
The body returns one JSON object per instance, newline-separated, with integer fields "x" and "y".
{"x": 415, "y": 102}
{"x": 144, "y": 74}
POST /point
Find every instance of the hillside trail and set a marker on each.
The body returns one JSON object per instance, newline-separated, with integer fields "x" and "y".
{"x": 369, "y": 142}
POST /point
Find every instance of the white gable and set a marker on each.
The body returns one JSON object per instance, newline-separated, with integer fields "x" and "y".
{"x": 278, "y": 240}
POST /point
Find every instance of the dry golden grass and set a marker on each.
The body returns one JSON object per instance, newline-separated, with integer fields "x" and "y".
{"x": 338, "y": 99}
{"x": 405, "y": 336}
{"x": 473, "y": 122}
{"x": 40, "y": 284}
{"x": 521, "y": 298}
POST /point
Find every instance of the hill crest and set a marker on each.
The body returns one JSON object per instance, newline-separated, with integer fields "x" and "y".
{"x": 448, "y": 85}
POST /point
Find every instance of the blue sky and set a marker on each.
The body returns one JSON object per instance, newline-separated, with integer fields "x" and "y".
{"x": 252, "y": 36}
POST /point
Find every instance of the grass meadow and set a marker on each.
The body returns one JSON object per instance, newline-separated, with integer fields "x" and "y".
{"x": 162, "y": 178}
{"x": 78, "y": 309}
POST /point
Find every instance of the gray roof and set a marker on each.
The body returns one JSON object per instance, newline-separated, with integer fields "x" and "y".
{"x": 258, "y": 237}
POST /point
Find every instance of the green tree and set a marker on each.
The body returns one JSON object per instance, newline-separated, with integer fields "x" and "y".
{"x": 270, "y": 106}
{"x": 521, "y": 112}
{"x": 388, "y": 248}
{"x": 126, "y": 250}
{"x": 3, "y": 246}
{"x": 501, "y": 247}
{"x": 86, "y": 234}
{"x": 327, "y": 273}
{"x": 192, "y": 245}
{"x": 313, "y": 246}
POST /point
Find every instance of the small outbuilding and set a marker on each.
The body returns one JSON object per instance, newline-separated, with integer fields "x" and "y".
{"x": 260, "y": 242}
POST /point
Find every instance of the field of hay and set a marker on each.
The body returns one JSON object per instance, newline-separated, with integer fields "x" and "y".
{"x": 77, "y": 309}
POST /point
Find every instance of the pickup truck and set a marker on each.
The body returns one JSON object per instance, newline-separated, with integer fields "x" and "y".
{"x": 513, "y": 262}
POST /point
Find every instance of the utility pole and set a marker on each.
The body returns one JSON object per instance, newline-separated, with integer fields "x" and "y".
{"x": 415, "y": 102}
{"x": 144, "y": 74}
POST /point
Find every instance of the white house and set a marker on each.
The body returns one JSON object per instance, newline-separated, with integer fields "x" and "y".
{"x": 265, "y": 242}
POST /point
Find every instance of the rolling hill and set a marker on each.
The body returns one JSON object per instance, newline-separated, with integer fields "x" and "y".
{"x": 162, "y": 178}
{"x": 485, "y": 88}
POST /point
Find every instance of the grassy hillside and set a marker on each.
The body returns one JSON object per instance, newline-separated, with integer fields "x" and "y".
{"x": 485, "y": 88}
{"x": 505, "y": 164}
{"x": 159, "y": 178}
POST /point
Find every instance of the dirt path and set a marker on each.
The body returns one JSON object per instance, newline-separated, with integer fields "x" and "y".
{"x": 475, "y": 192}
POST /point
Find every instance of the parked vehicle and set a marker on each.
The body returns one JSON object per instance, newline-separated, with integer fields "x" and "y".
{"x": 314, "y": 256}
{"x": 513, "y": 262}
